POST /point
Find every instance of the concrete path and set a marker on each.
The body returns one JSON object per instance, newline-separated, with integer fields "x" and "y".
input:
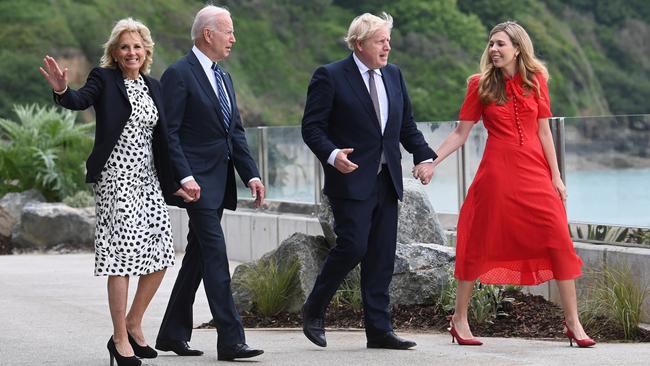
{"x": 53, "y": 311}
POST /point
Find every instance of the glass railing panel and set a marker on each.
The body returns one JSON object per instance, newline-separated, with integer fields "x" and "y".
{"x": 442, "y": 189}
{"x": 474, "y": 148}
{"x": 291, "y": 166}
{"x": 252, "y": 136}
{"x": 608, "y": 169}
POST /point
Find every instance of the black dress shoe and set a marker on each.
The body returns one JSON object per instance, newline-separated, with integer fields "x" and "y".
{"x": 237, "y": 351}
{"x": 180, "y": 348}
{"x": 140, "y": 351}
{"x": 391, "y": 341}
{"x": 313, "y": 328}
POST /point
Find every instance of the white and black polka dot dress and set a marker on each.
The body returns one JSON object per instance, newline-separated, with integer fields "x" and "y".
{"x": 133, "y": 234}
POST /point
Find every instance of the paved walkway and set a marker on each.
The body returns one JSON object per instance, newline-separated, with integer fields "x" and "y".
{"x": 54, "y": 312}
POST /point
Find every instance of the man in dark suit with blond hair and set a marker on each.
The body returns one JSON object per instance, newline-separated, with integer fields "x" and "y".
{"x": 356, "y": 115}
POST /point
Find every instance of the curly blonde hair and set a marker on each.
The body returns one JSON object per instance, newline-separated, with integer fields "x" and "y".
{"x": 491, "y": 84}
{"x": 128, "y": 25}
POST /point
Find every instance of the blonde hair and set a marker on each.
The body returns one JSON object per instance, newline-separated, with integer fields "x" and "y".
{"x": 365, "y": 26}
{"x": 205, "y": 18}
{"x": 122, "y": 26}
{"x": 491, "y": 84}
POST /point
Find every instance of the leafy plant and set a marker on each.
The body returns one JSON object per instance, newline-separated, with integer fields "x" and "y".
{"x": 271, "y": 286}
{"x": 603, "y": 233}
{"x": 80, "y": 199}
{"x": 485, "y": 304}
{"x": 349, "y": 293}
{"x": 615, "y": 297}
{"x": 639, "y": 236}
{"x": 44, "y": 149}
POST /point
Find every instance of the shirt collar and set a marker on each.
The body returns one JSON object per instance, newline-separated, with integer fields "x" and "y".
{"x": 362, "y": 67}
{"x": 204, "y": 60}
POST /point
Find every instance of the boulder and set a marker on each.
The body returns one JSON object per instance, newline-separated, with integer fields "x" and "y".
{"x": 421, "y": 272}
{"x": 46, "y": 225}
{"x": 308, "y": 251}
{"x": 14, "y": 202}
{"x": 6, "y": 225}
{"x": 417, "y": 220}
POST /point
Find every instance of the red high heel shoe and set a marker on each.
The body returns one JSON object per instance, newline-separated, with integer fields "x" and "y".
{"x": 582, "y": 343}
{"x": 462, "y": 341}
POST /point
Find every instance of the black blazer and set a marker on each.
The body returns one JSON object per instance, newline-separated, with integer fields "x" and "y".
{"x": 339, "y": 114}
{"x": 106, "y": 92}
{"x": 199, "y": 143}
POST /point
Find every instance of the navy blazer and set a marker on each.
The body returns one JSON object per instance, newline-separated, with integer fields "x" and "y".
{"x": 339, "y": 114}
{"x": 106, "y": 92}
{"x": 200, "y": 145}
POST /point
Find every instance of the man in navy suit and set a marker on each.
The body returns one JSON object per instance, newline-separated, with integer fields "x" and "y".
{"x": 207, "y": 143}
{"x": 357, "y": 113}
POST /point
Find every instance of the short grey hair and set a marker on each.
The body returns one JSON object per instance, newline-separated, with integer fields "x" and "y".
{"x": 205, "y": 19}
{"x": 365, "y": 26}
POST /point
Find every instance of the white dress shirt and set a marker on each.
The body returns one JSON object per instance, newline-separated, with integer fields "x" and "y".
{"x": 382, "y": 96}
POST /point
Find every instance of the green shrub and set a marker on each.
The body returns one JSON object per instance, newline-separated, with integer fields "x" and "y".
{"x": 485, "y": 303}
{"x": 44, "y": 149}
{"x": 80, "y": 199}
{"x": 349, "y": 293}
{"x": 271, "y": 286}
{"x": 616, "y": 297}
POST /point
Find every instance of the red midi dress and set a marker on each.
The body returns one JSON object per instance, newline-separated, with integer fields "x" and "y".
{"x": 512, "y": 228}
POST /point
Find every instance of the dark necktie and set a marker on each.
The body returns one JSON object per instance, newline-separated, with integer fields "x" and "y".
{"x": 373, "y": 95}
{"x": 224, "y": 105}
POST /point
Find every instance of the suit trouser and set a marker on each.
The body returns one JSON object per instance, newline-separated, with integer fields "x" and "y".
{"x": 205, "y": 259}
{"x": 366, "y": 233}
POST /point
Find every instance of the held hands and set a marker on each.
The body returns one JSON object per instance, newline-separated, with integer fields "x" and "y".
{"x": 191, "y": 190}
{"x": 423, "y": 172}
{"x": 57, "y": 79}
{"x": 182, "y": 194}
{"x": 560, "y": 188}
{"x": 341, "y": 162}
{"x": 257, "y": 191}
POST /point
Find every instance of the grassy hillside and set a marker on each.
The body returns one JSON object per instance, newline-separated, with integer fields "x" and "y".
{"x": 597, "y": 51}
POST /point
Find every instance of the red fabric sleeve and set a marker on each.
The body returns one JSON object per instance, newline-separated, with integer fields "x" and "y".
{"x": 543, "y": 101}
{"x": 472, "y": 108}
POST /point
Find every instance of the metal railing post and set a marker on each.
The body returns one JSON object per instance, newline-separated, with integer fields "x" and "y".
{"x": 557, "y": 130}
{"x": 461, "y": 174}
{"x": 318, "y": 180}
{"x": 263, "y": 154}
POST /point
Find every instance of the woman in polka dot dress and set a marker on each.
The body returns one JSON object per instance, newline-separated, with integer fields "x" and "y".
{"x": 130, "y": 169}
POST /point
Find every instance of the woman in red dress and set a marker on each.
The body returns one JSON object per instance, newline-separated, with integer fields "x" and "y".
{"x": 512, "y": 228}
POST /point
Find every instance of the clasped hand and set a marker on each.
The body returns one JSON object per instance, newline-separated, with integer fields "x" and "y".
{"x": 423, "y": 172}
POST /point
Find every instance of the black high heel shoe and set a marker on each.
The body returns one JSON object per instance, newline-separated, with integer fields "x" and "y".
{"x": 116, "y": 356}
{"x": 140, "y": 351}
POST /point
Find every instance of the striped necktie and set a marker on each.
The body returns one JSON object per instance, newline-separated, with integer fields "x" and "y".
{"x": 224, "y": 104}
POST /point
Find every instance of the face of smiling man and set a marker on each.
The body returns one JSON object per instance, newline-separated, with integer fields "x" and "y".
{"x": 373, "y": 52}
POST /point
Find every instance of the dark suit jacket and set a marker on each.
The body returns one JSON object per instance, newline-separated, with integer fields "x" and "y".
{"x": 200, "y": 145}
{"x": 106, "y": 92}
{"x": 339, "y": 114}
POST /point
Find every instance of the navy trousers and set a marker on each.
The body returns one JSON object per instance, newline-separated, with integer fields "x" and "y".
{"x": 366, "y": 233}
{"x": 205, "y": 259}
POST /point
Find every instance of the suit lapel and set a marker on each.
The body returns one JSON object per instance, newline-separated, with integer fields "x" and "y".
{"x": 154, "y": 93}
{"x": 359, "y": 87}
{"x": 119, "y": 82}
{"x": 202, "y": 79}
